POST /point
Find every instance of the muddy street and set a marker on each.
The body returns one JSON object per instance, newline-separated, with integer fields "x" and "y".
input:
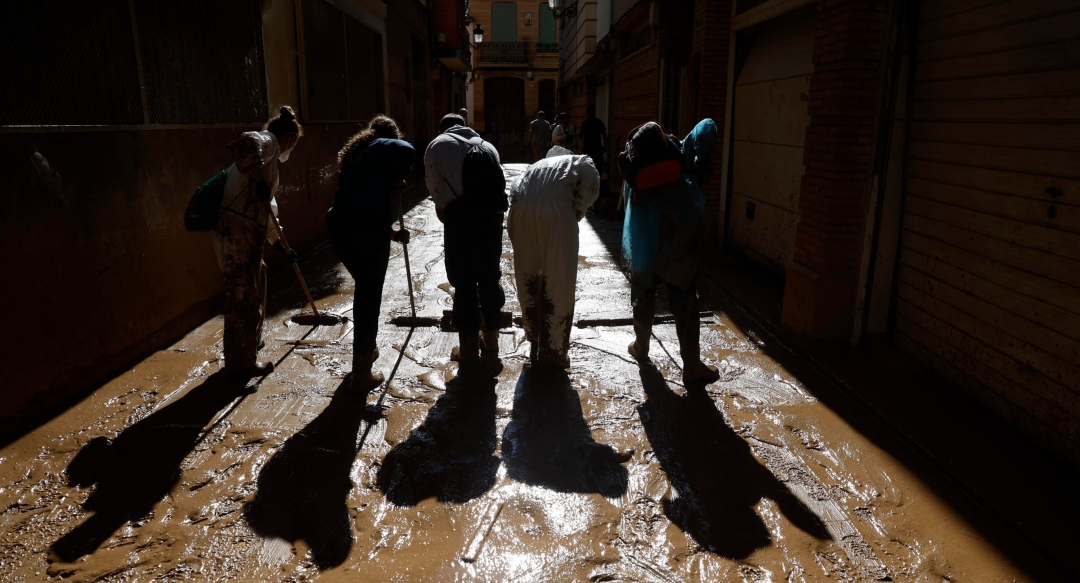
{"x": 607, "y": 472}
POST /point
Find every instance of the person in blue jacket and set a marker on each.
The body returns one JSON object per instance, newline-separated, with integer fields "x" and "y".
{"x": 375, "y": 164}
{"x": 663, "y": 242}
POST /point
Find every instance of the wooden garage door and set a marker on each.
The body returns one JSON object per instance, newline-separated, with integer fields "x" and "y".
{"x": 989, "y": 287}
{"x": 771, "y": 115}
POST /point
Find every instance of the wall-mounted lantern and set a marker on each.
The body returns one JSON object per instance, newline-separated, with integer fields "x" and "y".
{"x": 561, "y": 8}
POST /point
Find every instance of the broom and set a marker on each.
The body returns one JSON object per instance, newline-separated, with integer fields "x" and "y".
{"x": 411, "y": 321}
{"x": 317, "y": 318}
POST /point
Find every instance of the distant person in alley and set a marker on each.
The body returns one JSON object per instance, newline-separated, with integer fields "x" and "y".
{"x": 248, "y": 219}
{"x": 662, "y": 239}
{"x": 546, "y": 204}
{"x": 564, "y": 133}
{"x": 539, "y": 136}
{"x": 465, "y": 178}
{"x": 375, "y": 164}
{"x": 594, "y": 138}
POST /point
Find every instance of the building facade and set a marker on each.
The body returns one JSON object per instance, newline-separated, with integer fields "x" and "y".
{"x": 107, "y": 130}
{"x": 515, "y": 71}
{"x": 906, "y": 168}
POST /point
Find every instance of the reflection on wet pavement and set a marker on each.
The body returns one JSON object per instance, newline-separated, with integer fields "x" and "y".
{"x": 609, "y": 472}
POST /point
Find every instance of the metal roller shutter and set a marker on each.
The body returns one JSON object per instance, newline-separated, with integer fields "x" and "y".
{"x": 989, "y": 281}
{"x": 771, "y": 115}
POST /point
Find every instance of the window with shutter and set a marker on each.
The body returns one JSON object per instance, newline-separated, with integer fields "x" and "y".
{"x": 547, "y": 42}
{"x": 504, "y": 22}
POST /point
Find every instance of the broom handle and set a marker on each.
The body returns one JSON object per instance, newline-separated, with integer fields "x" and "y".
{"x": 296, "y": 268}
{"x": 405, "y": 250}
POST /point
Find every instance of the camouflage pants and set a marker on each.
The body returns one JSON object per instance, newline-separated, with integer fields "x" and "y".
{"x": 245, "y": 291}
{"x": 245, "y": 306}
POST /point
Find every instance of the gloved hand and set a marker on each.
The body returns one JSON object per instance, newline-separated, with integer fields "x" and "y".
{"x": 401, "y": 236}
{"x": 289, "y": 254}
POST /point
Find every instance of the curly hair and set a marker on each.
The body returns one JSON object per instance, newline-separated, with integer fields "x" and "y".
{"x": 380, "y": 126}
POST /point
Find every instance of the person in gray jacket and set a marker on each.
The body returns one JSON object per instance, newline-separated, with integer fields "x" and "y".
{"x": 472, "y": 240}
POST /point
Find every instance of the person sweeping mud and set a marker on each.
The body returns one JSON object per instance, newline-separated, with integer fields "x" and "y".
{"x": 465, "y": 178}
{"x": 662, "y": 239}
{"x": 374, "y": 164}
{"x": 248, "y": 207}
{"x": 546, "y": 204}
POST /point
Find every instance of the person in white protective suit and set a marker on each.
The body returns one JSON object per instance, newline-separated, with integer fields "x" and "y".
{"x": 546, "y": 203}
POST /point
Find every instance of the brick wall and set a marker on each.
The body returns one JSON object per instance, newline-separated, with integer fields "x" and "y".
{"x": 708, "y": 64}
{"x": 636, "y": 81}
{"x": 844, "y": 101}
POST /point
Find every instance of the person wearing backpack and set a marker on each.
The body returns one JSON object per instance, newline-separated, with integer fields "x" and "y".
{"x": 465, "y": 178}
{"x": 243, "y": 225}
{"x": 662, "y": 240}
{"x": 374, "y": 165}
{"x": 546, "y": 204}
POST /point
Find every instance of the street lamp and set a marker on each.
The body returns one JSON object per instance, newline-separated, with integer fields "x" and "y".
{"x": 478, "y": 34}
{"x": 559, "y": 8}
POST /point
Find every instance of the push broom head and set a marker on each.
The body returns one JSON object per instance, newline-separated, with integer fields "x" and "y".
{"x": 319, "y": 319}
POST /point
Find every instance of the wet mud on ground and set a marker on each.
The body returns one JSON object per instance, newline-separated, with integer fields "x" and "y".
{"x": 607, "y": 472}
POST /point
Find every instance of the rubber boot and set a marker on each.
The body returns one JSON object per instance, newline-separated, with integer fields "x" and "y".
{"x": 644, "y": 312}
{"x": 363, "y": 378}
{"x": 694, "y": 370}
{"x": 489, "y": 355}
{"x": 468, "y": 349}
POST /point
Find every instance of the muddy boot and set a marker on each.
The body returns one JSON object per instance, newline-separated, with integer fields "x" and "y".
{"x": 694, "y": 370}
{"x": 363, "y": 379}
{"x": 468, "y": 349}
{"x": 643, "y": 321}
{"x": 489, "y": 355}
{"x": 562, "y": 360}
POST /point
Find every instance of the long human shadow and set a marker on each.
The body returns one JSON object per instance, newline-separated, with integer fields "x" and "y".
{"x": 547, "y": 442}
{"x": 715, "y": 476}
{"x": 141, "y": 465}
{"x": 451, "y": 456}
{"x": 302, "y": 491}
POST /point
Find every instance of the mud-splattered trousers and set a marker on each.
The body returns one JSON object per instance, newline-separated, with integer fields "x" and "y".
{"x": 243, "y": 227}
{"x": 473, "y": 247}
{"x": 545, "y": 207}
{"x": 245, "y": 288}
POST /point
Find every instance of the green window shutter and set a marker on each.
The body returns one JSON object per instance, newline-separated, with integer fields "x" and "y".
{"x": 504, "y": 22}
{"x": 547, "y": 25}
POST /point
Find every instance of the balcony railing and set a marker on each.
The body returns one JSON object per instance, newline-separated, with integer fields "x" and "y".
{"x": 542, "y": 48}
{"x": 502, "y": 52}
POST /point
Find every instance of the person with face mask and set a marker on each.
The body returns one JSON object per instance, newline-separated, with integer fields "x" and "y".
{"x": 243, "y": 226}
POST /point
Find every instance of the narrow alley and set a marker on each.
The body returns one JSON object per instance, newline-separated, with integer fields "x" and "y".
{"x": 608, "y": 473}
